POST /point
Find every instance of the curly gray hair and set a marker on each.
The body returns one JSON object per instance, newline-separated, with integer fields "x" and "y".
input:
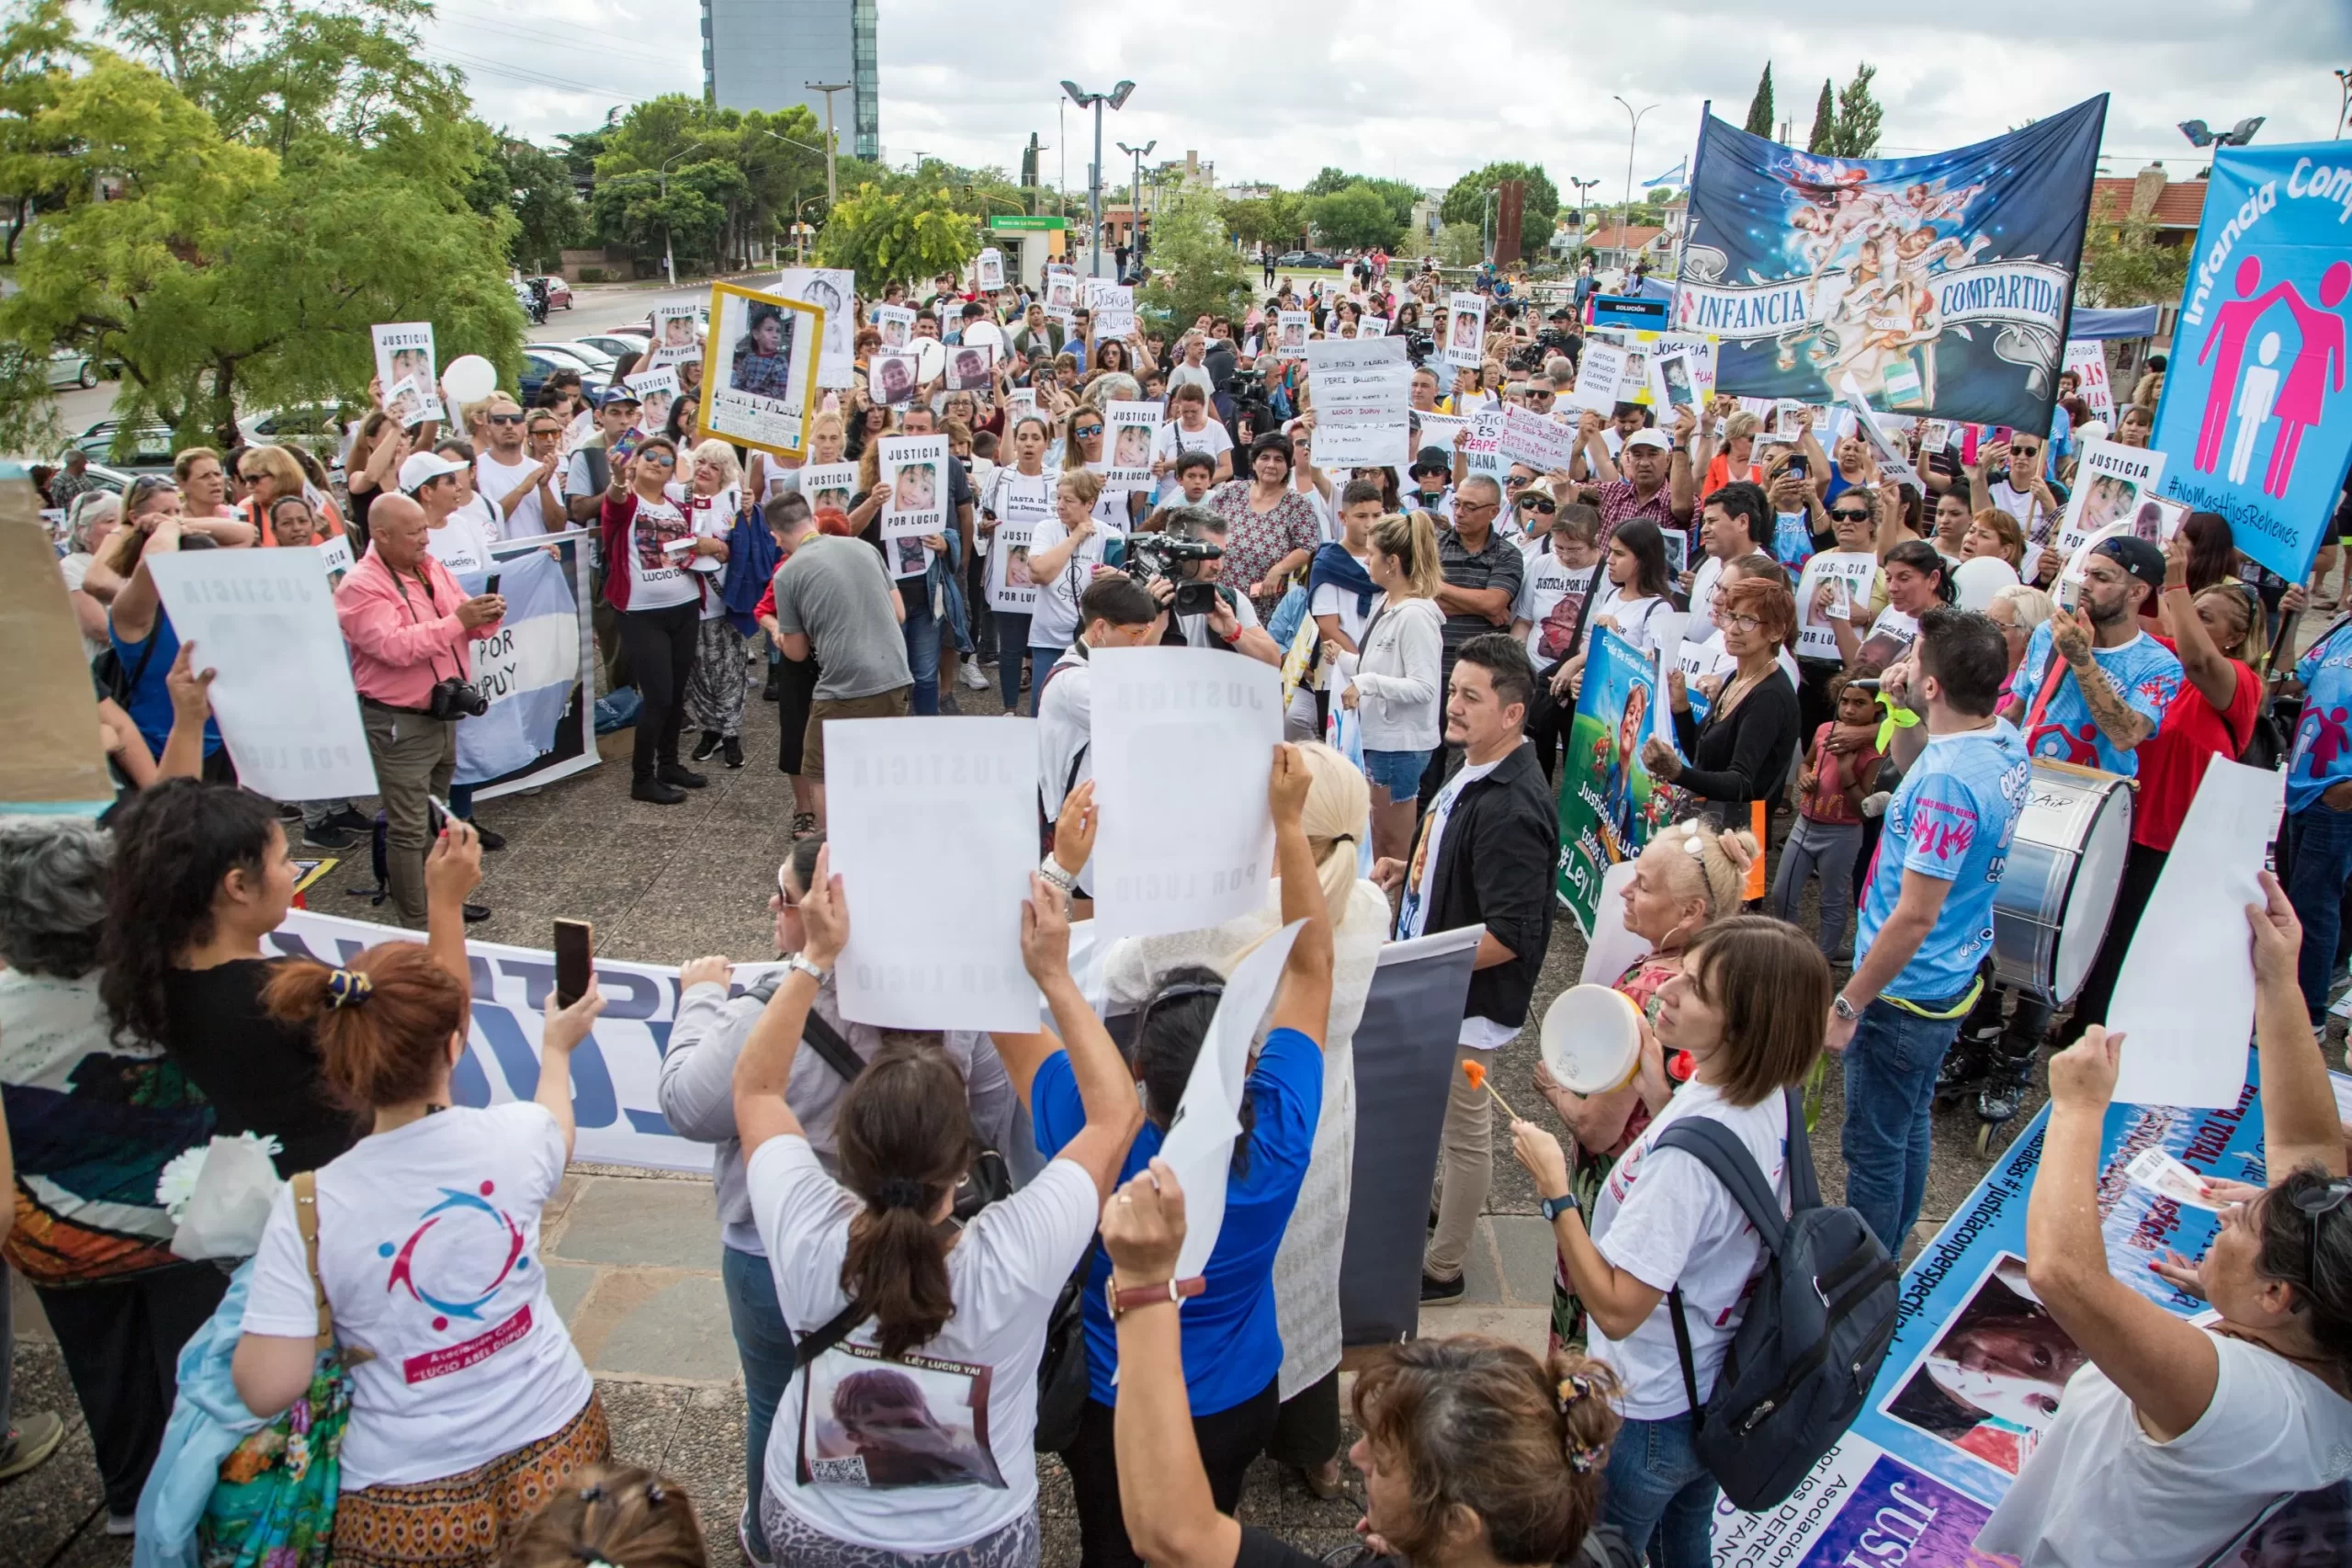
{"x": 52, "y": 894}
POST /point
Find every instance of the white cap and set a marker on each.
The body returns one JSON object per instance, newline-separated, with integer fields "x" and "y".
{"x": 420, "y": 468}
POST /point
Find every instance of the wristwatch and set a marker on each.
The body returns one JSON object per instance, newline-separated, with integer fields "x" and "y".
{"x": 1123, "y": 1301}
{"x": 809, "y": 967}
{"x": 1564, "y": 1203}
{"x": 1844, "y": 1008}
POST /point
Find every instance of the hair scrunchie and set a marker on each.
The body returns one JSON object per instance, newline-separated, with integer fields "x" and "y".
{"x": 898, "y": 1192}
{"x": 347, "y": 987}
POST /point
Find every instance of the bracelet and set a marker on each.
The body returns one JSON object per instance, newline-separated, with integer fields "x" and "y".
{"x": 1051, "y": 870}
{"x": 809, "y": 967}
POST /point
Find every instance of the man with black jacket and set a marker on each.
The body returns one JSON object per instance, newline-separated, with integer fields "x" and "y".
{"x": 1489, "y": 847}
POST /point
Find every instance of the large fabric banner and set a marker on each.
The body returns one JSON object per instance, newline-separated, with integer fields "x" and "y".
{"x": 1978, "y": 1366}
{"x": 1609, "y": 803}
{"x": 1941, "y": 285}
{"x": 2254, "y": 414}
{"x": 538, "y": 671}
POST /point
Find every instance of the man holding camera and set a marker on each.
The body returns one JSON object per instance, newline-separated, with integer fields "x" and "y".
{"x": 1205, "y": 613}
{"x": 411, "y": 628}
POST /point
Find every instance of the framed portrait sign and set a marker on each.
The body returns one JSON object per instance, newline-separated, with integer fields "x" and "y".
{"x": 759, "y": 378}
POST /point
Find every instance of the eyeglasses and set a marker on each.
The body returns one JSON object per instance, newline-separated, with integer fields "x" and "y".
{"x": 2312, "y": 1203}
{"x": 1845, "y": 514}
{"x": 1736, "y": 621}
{"x": 659, "y": 459}
{"x": 1538, "y": 504}
{"x": 504, "y": 418}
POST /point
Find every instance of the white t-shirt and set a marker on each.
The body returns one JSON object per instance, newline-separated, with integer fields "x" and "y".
{"x": 713, "y": 517}
{"x": 462, "y": 542}
{"x": 660, "y": 542}
{"x": 956, "y": 1472}
{"x": 1662, "y": 1217}
{"x": 2099, "y": 1491}
{"x": 1633, "y": 617}
{"x": 1549, "y": 592}
{"x": 1333, "y": 600}
{"x": 1704, "y": 584}
{"x": 494, "y": 481}
{"x": 1195, "y": 628}
{"x": 1065, "y": 729}
{"x": 429, "y": 1249}
{"x": 1174, "y": 439}
{"x": 1053, "y": 622}
{"x": 2025, "y": 509}
{"x": 1425, "y": 860}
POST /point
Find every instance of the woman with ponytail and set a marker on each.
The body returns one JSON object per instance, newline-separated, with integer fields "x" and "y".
{"x": 1397, "y": 690}
{"x": 469, "y": 1403}
{"x": 905, "y": 1437}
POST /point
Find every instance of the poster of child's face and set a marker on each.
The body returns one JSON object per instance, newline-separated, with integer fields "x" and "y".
{"x": 1294, "y": 336}
{"x": 678, "y": 331}
{"x": 832, "y": 497}
{"x": 653, "y": 414}
{"x": 1990, "y": 1382}
{"x": 1134, "y": 447}
{"x": 913, "y": 555}
{"x": 1466, "y": 330}
{"x": 894, "y": 334}
{"x": 2111, "y": 498}
{"x": 405, "y": 404}
{"x": 967, "y": 371}
{"x": 1674, "y": 369}
{"x": 918, "y": 488}
{"x": 1016, "y": 568}
{"x": 408, "y": 362}
{"x": 2311, "y": 1529}
{"x": 876, "y": 1424}
{"x": 895, "y": 381}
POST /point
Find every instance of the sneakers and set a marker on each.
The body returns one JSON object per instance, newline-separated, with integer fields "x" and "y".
{"x": 706, "y": 746}
{"x": 1436, "y": 1290}
{"x": 743, "y": 1539}
{"x": 326, "y": 836}
{"x": 970, "y": 675}
{"x": 730, "y": 752}
{"x": 804, "y": 824}
{"x": 351, "y": 821}
{"x": 29, "y": 1443}
{"x": 654, "y": 792}
{"x": 679, "y": 775}
{"x": 122, "y": 1524}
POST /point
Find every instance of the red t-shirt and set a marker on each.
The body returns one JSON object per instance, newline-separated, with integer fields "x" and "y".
{"x": 2172, "y": 762}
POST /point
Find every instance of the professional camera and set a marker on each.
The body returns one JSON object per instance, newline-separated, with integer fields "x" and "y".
{"x": 1172, "y": 556}
{"x": 1419, "y": 345}
{"x": 455, "y": 699}
{"x": 1525, "y": 360}
{"x": 1559, "y": 339}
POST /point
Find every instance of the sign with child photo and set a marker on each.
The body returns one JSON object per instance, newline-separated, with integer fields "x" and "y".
{"x": 1609, "y": 803}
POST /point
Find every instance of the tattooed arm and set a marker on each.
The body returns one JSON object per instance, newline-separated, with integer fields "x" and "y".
{"x": 2124, "y": 726}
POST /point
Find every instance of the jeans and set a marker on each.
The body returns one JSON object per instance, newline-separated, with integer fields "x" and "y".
{"x": 1891, "y": 1067}
{"x": 923, "y": 642}
{"x": 1831, "y": 849}
{"x": 2315, "y": 882}
{"x": 763, "y": 1342}
{"x": 1659, "y": 1494}
{"x": 1011, "y": 647}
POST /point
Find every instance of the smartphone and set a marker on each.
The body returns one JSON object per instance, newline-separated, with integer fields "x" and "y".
{"x": 492, "y": 586}
{"x": 438, "y": 815}
{"x": 574, "y": 941}
{"x": 1799, "y": 467}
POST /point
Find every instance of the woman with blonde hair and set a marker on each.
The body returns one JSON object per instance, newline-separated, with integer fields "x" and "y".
{"x": 270, "y": 474}
{"x": 1336, "y": 819}
{"x": 1995, "y": 532}
{"x": 1395, "y": 691}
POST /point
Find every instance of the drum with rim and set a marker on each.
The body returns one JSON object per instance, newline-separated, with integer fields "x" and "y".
{"x": 2051, "y": 910}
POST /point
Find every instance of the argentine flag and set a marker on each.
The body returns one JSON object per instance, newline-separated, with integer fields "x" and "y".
{"x": 527, "y": 669}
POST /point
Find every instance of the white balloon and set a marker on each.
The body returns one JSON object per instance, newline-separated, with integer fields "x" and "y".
{"x": 1978, "y": 578}
{"x": 468, "y": 378}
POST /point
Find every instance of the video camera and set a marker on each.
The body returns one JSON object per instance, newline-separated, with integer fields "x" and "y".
{"x": 1419, "y": 345}
{"x": 1171, "y": 555}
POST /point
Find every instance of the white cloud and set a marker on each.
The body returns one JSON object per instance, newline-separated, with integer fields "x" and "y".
{"x": 1277, "y": 90}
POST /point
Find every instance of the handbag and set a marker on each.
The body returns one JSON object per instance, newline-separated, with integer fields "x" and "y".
{"x": 274, "y": 1504}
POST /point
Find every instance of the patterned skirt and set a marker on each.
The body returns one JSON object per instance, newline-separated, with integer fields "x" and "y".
{"x": 468, "y": 1519}
{"x": 790, "y": 1540}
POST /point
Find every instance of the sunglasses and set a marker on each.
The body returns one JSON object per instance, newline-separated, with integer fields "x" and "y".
{"x": 1844, "y": 514}
{"x": 1513, "y": 481}
{"x": 659, "y": 459}
{"x": 504, "y": 418}
{"x": 2314, "y": 1203}
{"x": 1086, "y": 430}
{"x": 2028, "y": 453}
{"x": 1537, "y": 503}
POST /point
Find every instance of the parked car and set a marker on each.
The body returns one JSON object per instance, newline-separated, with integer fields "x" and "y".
{"x": 72, "y": 367}
{"x": 542, "y": 360}
{"x": 585, "y": 351}
{"x": 616, "y": 344}
{"x": 152, "y": 447}
{"x": 1306, "y": 260}
{"x": 558, "y": 292}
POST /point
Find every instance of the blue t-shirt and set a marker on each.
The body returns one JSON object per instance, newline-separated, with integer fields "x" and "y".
{"x": 149, "y": 701}
{"x": 1952, "y": 819}
{"x": 2322, "y": 751}
{"x": 1232, "y": 1349}
{"x": 2145, "y": 674}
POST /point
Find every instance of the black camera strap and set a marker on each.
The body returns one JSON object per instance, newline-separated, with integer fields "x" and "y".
{"x": 424, "y": 580}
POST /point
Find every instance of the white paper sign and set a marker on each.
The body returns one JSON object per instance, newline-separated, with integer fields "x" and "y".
{"x": 1892, "y": 461}
{"x": 1465, "y": 332}
{"x": 893, "y": 378}
{"x": 2184, "y": 998}
{"x": 1115, "y": 311}
{"x": 832, "y": 290}
{"x": 1181, "y": 735}
{"x": 1061, "y": 289}
{"x": 415, "y": 400}
{"x": 1849, "y": 571}
{"x": 2088, "y": 360}
{"x": 335, "y": 554}
{"x": 931, "y": 830}
{"x": 915, "y": 483}
{"x": 1199, "y": 1144}
{"x": 656, "y": 391}
{"x": 403, "y": 349}
{"x": 1598, "y": 376}
{"x": 284, "y": 700}
{"x": 896, "y": 324}
{"x": 987, "y": 271}
{"x": 1023, "y": 503}
{"x": 1290, "y": 334}
{"x": 824, "y": 484}
{"x": 1442, "y": 430}
{"x": 1481, "y": 445}
{"x": 1537, "y": 440}
{"x": 674, "y": 330}
{"x": 1362, "y": 391}
{"x": 1129, "y": 431}
{"x": 2114, "y": 483}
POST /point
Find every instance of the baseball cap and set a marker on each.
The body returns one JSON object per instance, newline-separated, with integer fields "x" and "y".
{"x": 2136, "y": 556}
{"x": 617, "y": 395}
{"x": 1429, "y": 459}
{"x": 420, "y": 468}
{"x": 1654, "y": 438}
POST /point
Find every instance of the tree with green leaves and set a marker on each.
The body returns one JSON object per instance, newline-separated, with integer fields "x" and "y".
{"x": 1759, "y": 108}
{"x": 2124, "y": 264}
{"x": 1825, "y": 122}
{"x": 1461, "y": 244}
{"x": 39, "y": 48}
{"x": 1355, "y": 218}
{"x": 1193, "y": 263}
{"x": 897, "y": 236}
{"x": 1859, "y": 116}
{"x": 1274, "y": 218}
{"x": 533, "y": 184}
{"x": 1465, "y": 201}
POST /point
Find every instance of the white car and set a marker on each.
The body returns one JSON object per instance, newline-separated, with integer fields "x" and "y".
{"x": 614, "y": 344}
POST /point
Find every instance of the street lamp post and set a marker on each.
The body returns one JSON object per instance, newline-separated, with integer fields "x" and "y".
{"x": 1582, "y": 199}
{"x": 1116, "y": 97}
{"x": 1135, "y": 200}
{"x": 1631, "y": 136}
{"x": 832, "y": 142}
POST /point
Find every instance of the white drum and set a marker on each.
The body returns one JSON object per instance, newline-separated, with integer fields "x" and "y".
{"x": 1592, "y": 1039}
{"x": 2051, "y": 910}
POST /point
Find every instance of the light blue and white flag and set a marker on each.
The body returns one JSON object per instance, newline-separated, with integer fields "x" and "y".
{"x": 538, "y": 671}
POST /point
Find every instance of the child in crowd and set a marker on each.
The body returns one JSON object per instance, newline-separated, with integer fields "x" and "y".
{"x": 1840, "y": 766}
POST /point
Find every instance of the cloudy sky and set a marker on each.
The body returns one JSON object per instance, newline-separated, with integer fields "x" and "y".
{"x": 1273, "y": 90}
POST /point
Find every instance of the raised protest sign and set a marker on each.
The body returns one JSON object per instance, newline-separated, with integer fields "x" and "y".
{"x": 1362, "y": 391}
{"x": 1537, "y": 440}
{"x": 2114, "y": 483}
{"x": 2089, "y": 362}
{"x": 538, "y": 669}
{"x": 832, "y": 291}
{"x": 1942, "y": 283}
{"x": 1609, "y": 803}
{"x": 915, "y": 481}
{"x": 759, "y": 374}
{"x": 2256, "y": 412}
{"x": 1465, "y": 332}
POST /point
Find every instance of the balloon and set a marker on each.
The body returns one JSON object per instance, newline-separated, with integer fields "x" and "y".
{"x": 1978, "y": 578}
{"x": 468, "y": 378}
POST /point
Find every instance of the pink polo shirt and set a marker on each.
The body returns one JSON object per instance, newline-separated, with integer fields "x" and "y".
{"x": 401, "y": 646}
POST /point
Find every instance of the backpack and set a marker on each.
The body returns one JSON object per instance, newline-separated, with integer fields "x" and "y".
{"x": 1819, "y": 1320}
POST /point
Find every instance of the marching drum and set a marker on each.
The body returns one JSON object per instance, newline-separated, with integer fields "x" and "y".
{"x": 2051, "y": 910}
{"x": 1592, "y": 1039}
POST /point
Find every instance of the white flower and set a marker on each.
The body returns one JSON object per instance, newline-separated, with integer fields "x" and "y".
{"x": 176, "y": 1184}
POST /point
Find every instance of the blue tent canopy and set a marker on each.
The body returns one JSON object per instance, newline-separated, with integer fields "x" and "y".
{"x": 2090, "y": 323}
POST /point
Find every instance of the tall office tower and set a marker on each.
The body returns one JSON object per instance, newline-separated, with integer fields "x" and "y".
{"x": 759, "y": 55}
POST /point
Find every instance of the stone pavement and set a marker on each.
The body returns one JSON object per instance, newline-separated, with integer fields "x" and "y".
{"x": 632, "y": 1257}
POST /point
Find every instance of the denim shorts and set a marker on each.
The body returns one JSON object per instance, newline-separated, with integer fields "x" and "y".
{"x": 1399, "y": 773}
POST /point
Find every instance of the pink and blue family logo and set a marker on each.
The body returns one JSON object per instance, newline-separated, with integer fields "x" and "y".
{"x": 461, "y": 1253}
{"x": 2256, "y": 417}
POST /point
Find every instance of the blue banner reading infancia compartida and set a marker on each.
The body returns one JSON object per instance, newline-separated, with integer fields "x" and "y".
{"x": 1939, "y": 286}
{"x": 2257, "y": 419}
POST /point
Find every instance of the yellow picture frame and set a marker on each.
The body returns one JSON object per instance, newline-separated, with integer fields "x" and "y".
{"x": 774, "y": 422}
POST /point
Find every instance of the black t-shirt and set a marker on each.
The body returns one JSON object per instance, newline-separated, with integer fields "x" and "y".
{"x": 1261, "y": 1549}
{"x": 260, "y": 1075}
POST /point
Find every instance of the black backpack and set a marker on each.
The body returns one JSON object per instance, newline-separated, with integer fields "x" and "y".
{"x": 1818, "y": 1323}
